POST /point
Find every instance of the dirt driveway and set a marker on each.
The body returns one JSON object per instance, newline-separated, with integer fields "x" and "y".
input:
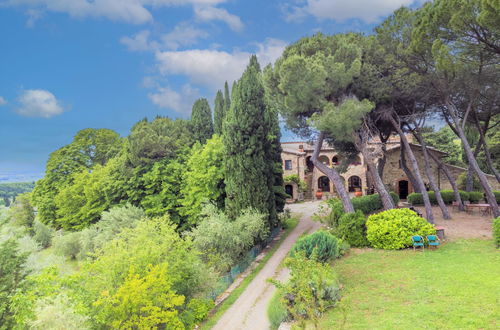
{"x": 249, "y": 311}
{"x": 462, "y": 224}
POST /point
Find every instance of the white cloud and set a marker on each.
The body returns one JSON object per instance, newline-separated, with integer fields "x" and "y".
{"x": 181, "y": 102}
{"x": 207, "y": 14}
{"x": 340, "y": 10}
{"x": 139, "y": 42}
{"x": 130, "y": 11}
{"x": 2, "y": 101}
{"x": 39, "y": 103}
{"x": 212, "y": 68}
{"x": 183, "y": 34}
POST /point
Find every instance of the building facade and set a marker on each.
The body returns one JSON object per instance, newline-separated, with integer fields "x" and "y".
{"x": 296, "y": 158}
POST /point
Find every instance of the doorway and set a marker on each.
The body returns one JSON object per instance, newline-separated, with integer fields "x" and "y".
{"x": 403, "y": 189}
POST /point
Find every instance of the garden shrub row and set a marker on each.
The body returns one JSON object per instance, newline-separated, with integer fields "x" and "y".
{"x": 449, "y": 197}
{"x": 371, "y": 203}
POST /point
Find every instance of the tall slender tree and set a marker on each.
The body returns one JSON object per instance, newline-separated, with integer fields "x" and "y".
{"x": 219, "y": 112}
{"x": 249, "y": 173}
{"x": 201, "y": 121}
{"x": 227, "y": 98}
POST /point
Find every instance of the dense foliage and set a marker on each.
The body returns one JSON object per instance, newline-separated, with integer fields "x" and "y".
{"x": 321, "y": 246}
{"x": 249, "y": 173}
{"x": 393, "y": 229}
{"x": 201, "y": 121}
{"x": 352, "y": 229}
{"x": 222, "y": 240}
{"x": 311, "y": 290}
{"x": 371, "y": 203}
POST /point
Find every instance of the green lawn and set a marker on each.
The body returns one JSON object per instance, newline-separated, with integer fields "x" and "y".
{"x": 454, "y": 287}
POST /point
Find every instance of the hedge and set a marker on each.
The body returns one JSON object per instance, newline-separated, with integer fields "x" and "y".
{"x": 371, "y": 203}
{"x": 449, "y": 197}
{"x": 352, "y": 229}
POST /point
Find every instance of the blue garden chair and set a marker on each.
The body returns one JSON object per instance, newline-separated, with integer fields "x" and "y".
{"x": 418, "y": 241}
{"x": 433, "y": 240}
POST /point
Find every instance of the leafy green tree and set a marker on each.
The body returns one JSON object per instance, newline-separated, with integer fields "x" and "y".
{"x": 249, "y": 173}
{"x": 162, "y": 191}
{"x": 89, "y": 148}
{"x": 203, "y": 179}
{"x": 445, "y": 140}
{"x": 460, "y": 66}
{"x": 81, "y": 203}
{"x": 12, "y": 274}
{"x": 313, "y": 86}
{"x": 219, "y": 112}
{"x": 150, "y": 242}
{"x": 98, "y": 145}
{"x": 21, "y": 211}
{"x": 222, "y": 241}
{"x": 161, "y": 138}
{"x": 201, "y": 121}
{"x": 142, "y": 302}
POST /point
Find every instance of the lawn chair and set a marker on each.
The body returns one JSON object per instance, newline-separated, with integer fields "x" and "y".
{"x": 433, "y": 240}
{"x": 418, "y": 241}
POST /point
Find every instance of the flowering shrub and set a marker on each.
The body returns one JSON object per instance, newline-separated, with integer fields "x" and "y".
{"x": 393, "y": 229}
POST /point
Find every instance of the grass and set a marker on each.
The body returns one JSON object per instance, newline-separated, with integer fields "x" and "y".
{"x": 233, "y": 296}
{"x": 454, "y": 287}
{"x": 276, "y": 311}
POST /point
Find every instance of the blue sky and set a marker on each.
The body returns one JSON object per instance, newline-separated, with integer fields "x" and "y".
{"x": 66, "y": 65}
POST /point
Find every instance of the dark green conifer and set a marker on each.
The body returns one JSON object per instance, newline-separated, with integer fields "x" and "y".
{"x": 249, "y": 171}
{"x": 201, "y": 121}
{"x": 227, "y": 98}
{"x": 219, "y": 112}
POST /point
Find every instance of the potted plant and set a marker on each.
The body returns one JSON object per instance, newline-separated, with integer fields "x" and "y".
{"x": 319, "y": 193}
{"x": 358, "y": 192}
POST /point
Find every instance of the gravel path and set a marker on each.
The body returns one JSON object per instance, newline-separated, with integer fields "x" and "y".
{"x": 249, "y": 311}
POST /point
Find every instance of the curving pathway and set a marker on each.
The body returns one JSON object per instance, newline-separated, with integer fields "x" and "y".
{"x": 249, "y": 311}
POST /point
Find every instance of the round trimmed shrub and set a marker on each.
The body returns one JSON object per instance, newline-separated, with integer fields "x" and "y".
{"x": 393, "y": 229}
{"x": 352, "y": 229}
{"x": 321, "y": 244}
{"x": 415, "y": 199}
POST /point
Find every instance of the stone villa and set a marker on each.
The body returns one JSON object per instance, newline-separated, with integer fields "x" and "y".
{"x": 296, "y": 158}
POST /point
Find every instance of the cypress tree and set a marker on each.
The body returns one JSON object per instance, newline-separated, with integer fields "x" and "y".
{"x": 227, "y": 98}
{"x": 274, "y": 157}
{"x": 249, "y": 172}
{"x": 201, "y": 121}
{"x": 219, "y": 112}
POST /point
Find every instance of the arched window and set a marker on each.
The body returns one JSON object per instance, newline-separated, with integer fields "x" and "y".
{"x": 324, "y": 183}
{"x": 354, "y": 183}
{"x": 324, "y": 160}
{"x": 335, "y": 160}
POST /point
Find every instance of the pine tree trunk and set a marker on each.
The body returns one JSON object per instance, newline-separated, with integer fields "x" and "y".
{"x": 386, "y": 198}
{"x": 416, "y": 171}
{"x": 469, "y": 180}
{"x": 430, "y": 176}
{"x": 452, "y": 111}
{"x": 487, "y": 153}
{"x": 407, "y": 171}
{"x": 382, "y": 161}
{"x": 452, "y": 181}
{"x": 333, "y": 175}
